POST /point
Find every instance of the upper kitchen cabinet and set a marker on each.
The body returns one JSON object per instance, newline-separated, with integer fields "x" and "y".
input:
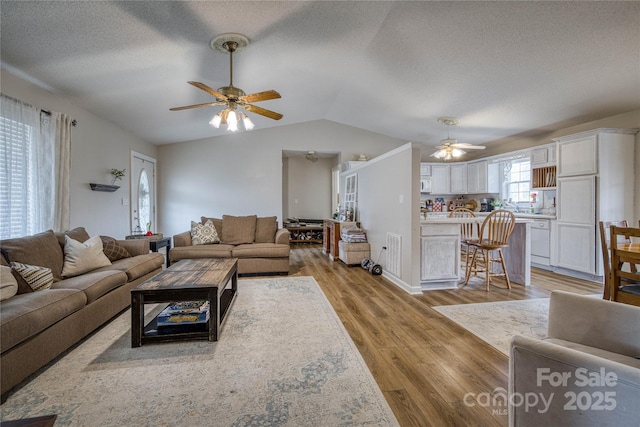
{"x": 459, "y": 178}
{"x": 483, "y": 177}
{"x": 440, "y": 179}
{"x": 543, "y": 156}
{"x": 425, "y": 169}
{"x": 577, "y": 155}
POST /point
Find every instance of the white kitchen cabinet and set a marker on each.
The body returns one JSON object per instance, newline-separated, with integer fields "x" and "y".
{"x": 440, "y": 179}
{"x": 425, "y": 169}
{"x": 543, "y": 156}
{"x": 594, "y": 184}
{"x": 458, "y": 178}
{"x": 578, "y": 156}
{"x": 483, "y": 177}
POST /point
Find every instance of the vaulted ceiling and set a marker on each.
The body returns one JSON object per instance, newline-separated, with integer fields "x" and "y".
{"x": 391, "y": 67}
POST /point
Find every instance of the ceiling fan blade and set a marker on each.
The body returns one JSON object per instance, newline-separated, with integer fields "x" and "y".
{"x": 469, "y": 146}
{"x": 207, "y": 89}
{"x": 260, "y": 96}
{"x": 262, "y": 111}
{"x": 207, "y": 104}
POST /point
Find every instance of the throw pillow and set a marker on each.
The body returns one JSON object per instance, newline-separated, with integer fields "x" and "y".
{"x": 237, "y": 230}
{"x": 8, "y": 283}
{"x": 266, "y": 228}
{"x": 40, "y": 249}
{"x": 38, "y": 278}
{"x": 82, "y": 257}
{"x": 203, "y": 234}
{"x": 112, "y": 249}
{"x": 217, "y": 223}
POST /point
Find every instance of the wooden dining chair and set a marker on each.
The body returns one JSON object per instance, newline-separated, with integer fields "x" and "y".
{"x": 494, "y": 236}
{"x": 468, "y": 231}
{"x": 605, "y": 228}
{"x": 625, "y": 285}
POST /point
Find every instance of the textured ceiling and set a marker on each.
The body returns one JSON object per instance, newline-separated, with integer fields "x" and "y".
{"x": 390, "y": 67}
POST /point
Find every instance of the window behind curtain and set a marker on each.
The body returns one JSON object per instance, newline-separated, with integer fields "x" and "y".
{"x": 519, "y": 185}
{"x": 34, "y": 169}
{"x": 17, "y": 198}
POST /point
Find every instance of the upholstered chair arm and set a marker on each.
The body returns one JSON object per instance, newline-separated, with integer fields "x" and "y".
{"x": 282, "y": 236}
{"x": 182, "y": 239}
{"x": 594, "y": 322}
{"x": 136, "y": 246}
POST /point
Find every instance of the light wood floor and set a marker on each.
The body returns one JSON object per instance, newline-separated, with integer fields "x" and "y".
{"x": 423, "y": 363}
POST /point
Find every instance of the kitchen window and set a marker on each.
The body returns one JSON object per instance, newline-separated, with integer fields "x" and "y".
{"x": 518, "y": 183}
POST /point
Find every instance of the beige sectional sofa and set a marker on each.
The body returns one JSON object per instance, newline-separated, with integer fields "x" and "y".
{"x": 260, "y": 246}
{"x": 37, "y": 326}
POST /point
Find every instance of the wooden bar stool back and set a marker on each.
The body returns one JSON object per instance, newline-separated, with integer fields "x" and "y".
{"x": 469, "y": 232}
{"x": 494, "y": 235}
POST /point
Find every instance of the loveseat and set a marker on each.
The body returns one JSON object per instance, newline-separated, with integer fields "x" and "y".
{"x": 38, "y": 325}
{"x": 586, "y": 372}
{"x": 260, "y": 246}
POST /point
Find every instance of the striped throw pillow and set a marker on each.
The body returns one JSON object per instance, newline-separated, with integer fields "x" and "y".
{"x": 38, "y": 278}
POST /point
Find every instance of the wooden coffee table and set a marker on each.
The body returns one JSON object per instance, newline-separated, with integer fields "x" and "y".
{"x": 186, "y": 280}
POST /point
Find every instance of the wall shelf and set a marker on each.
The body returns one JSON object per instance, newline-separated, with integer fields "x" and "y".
{"x": 104, "y": 187}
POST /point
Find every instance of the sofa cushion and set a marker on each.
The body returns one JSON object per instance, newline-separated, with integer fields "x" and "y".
{"x": 238, "y": 229}
{"x": 8, "y": 283}
{"x": 203, "y": 234}
{"x": 24, "y": 316}
{"x": 112, "y": 249}
{"x": 217, "y": 223}
{"x": 79, "y": 234}
{"x": 40, "y": 249}
{"x": 94, "y": 284}
{"x": 261, "y": 250}
{"x": 81, "y": 257}
{"x": 38, "y": 278}
{"x": 266, "y": 228}
{"x": 201, "y": 251}
{"x": 137, "y": 266}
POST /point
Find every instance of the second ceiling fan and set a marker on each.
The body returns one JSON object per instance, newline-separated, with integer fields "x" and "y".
{"x": 450, "y": 148}
{"x": 231, "y": 96}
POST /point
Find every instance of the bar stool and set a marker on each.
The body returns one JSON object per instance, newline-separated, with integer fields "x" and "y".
{"x": 494, "y": 235}
{"x": 469, "y": 231}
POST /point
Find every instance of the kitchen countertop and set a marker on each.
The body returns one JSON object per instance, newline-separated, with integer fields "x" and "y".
{"x": 432, "y": 215}
{"x": 479, "y": 219}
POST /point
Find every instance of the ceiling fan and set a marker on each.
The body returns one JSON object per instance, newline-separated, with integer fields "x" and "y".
{"x": 449, "y": 147}
{"x": 230, "y": 96}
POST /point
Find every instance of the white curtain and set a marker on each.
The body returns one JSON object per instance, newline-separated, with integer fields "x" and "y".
{"x": 34, "y": 169}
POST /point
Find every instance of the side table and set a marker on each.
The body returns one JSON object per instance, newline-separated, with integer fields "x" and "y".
{"x": 156, "y": 241}
{"x": 162, "y": 243}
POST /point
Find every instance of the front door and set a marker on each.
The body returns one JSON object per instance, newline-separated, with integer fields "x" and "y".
{"x": 143, "y": 193}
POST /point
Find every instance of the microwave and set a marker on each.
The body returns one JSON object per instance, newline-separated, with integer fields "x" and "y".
{"x": 425, "y": 184}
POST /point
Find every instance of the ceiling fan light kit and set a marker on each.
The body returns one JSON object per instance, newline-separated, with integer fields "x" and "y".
{"x": 230, "y": 96}
{"x": 450, "y": 148}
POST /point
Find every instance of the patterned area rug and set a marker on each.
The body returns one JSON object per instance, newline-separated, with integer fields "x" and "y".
{"x": 497, "y": 322}
{"x": 283, "y": 359}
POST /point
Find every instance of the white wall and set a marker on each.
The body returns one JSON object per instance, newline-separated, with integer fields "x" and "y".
{"x": 96, "y": 147}
{"x": 389, "y": 202}
{"x": 241, "y": 173}
{"x": 307, "y": 188}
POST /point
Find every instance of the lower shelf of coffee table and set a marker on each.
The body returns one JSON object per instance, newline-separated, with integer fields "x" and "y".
{"x": 187, "y": 331}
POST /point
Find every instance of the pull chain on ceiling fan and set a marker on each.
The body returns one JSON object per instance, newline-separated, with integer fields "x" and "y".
{"x": 231, "y": 96}
{"x": 450, "y": 148}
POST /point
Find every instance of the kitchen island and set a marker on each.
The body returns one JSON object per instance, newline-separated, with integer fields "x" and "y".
{"x": 440, "y": 266}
